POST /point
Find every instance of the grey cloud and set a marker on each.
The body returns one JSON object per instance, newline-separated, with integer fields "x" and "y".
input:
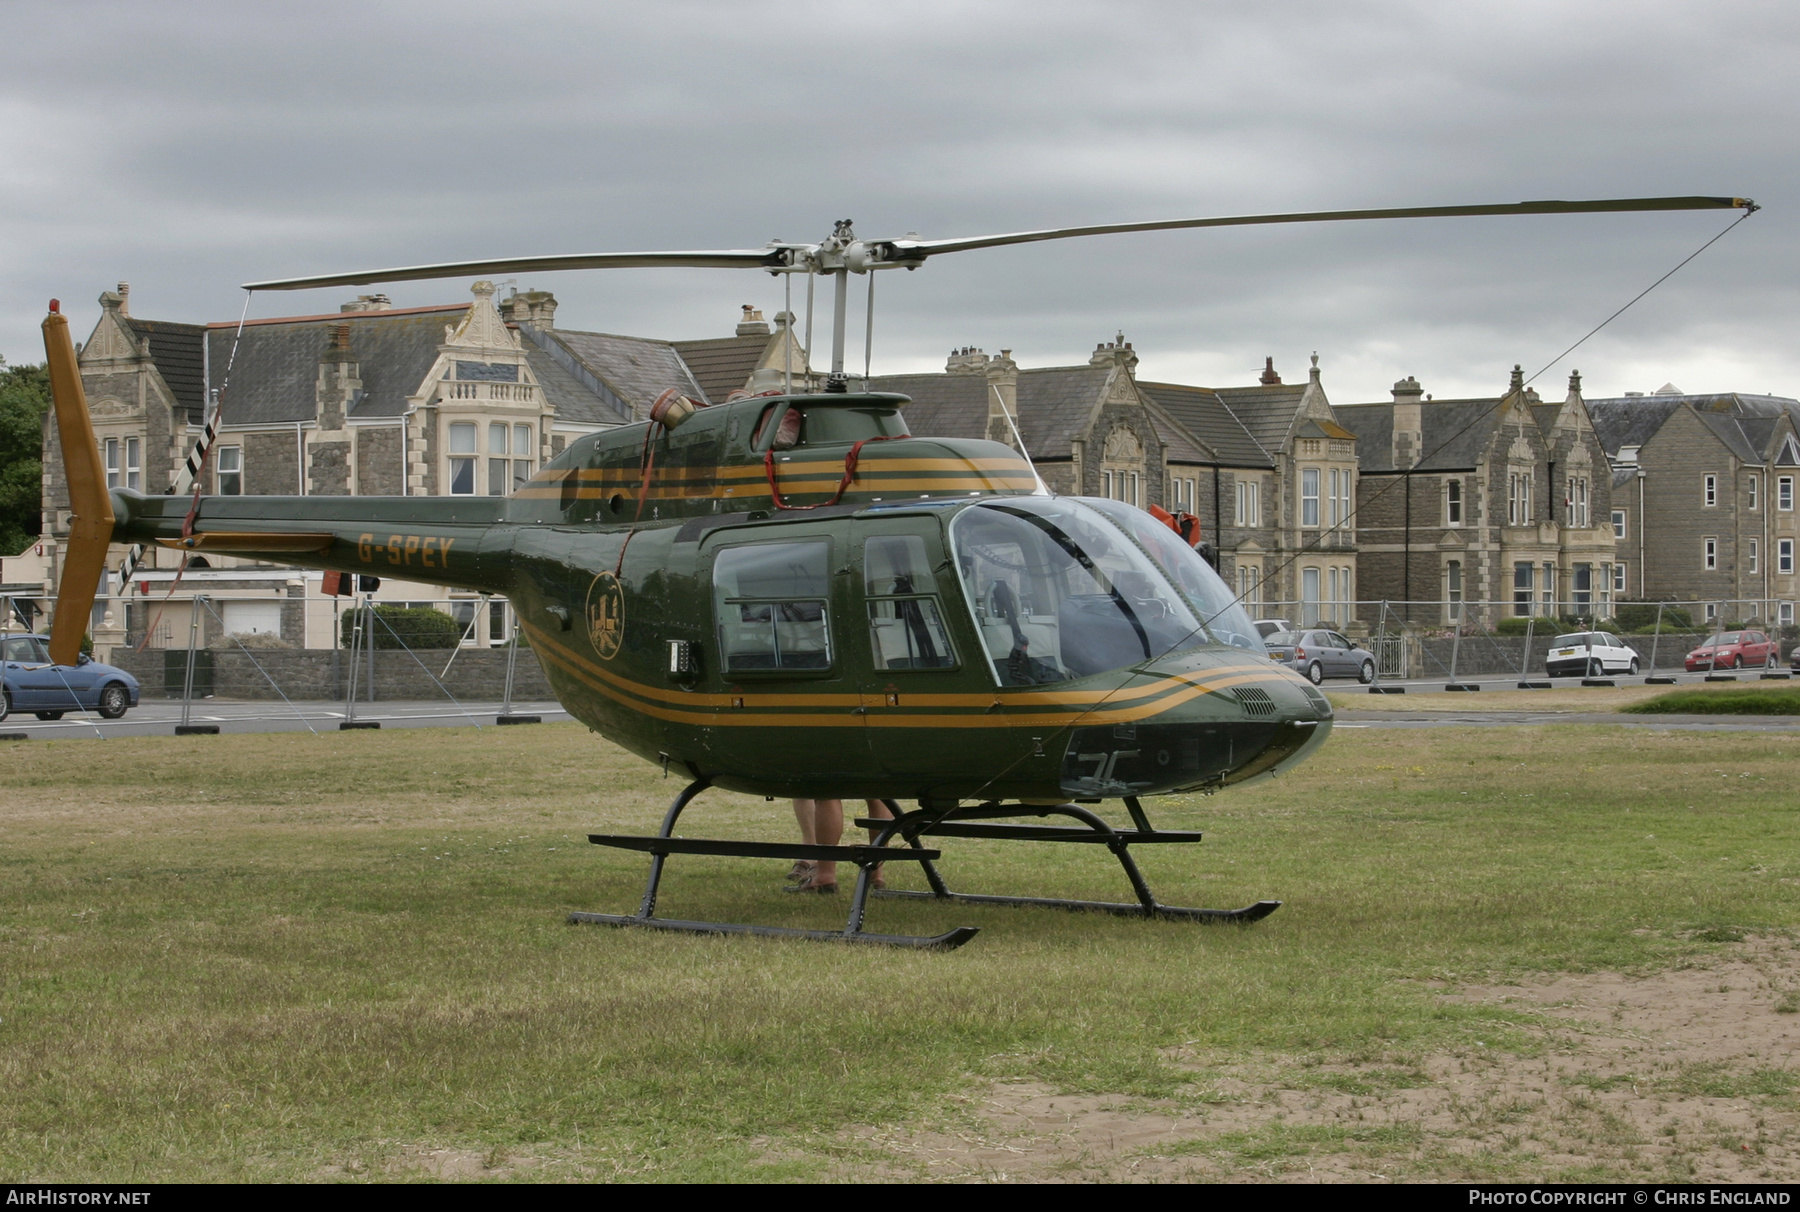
{"x": 189, "y": 147}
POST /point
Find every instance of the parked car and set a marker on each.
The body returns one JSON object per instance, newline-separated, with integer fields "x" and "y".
{"x": 1268, "y": 627}
{"x": 1734, "y": 650}
{"x": 1794, "y": 659}
{"x": 1589, "y": 654}
{"x": 33, "y": 683}
{"x": 1320, "y": 654}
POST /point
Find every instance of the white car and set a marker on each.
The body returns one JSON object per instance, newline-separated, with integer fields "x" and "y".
{"x": 1589, "y": 654}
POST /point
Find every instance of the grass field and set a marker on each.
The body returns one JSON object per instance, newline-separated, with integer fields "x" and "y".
{"x": 1559, "y": 699}
{"x": 286, "y": 957}
{"x": 1725, "y": 700}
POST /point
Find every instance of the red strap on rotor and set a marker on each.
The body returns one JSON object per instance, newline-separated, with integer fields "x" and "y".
{"x": 849, "y": 474}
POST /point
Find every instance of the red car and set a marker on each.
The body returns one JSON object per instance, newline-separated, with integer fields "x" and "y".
{"x": 1734, "y": 650}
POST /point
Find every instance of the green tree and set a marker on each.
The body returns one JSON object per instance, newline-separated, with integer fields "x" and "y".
{"x": 24, "y": 399}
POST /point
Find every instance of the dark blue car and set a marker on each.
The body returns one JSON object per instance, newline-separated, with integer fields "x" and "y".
{"x": 34, "y": 684}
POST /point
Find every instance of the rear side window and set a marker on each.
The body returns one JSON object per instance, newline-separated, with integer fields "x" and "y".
{"x": 25, "y": 650}
{"x": 771, "y": 604}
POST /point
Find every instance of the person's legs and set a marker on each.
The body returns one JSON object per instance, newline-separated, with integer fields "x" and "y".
{"x": 803, "y": 816}
{"x": 828, "y": 830}
{"x": 878, "y": 811}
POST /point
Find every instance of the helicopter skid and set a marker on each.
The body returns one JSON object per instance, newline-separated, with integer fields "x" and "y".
{"x": 1090, "y": 828}
{"x": 948, "y": 941}
{"x": 1249, "y": 913}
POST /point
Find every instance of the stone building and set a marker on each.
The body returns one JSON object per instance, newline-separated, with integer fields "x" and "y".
{"x": 1502, "y": 500}
{"x": 1266, "y": 468}
{"x": 1703, "y": 500}
{"x": 460, "y": 398}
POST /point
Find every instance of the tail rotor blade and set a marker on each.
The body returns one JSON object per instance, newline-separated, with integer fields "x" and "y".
{"x": 90, "y": 504}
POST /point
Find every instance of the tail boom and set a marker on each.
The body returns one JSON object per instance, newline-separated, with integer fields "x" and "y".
{"x": 437, "y": 540}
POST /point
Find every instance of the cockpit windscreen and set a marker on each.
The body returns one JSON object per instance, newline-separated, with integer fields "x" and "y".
{"x": 1059, "y": 593}
{"x": 1225, "y": 618}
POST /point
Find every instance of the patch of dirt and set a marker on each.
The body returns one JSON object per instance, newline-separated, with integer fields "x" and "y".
{"x": 450, "y": 1165}
{"x": 1689, "y": 1075}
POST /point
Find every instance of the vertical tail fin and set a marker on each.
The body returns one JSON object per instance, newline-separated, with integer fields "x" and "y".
{"x": 90, "y": 504}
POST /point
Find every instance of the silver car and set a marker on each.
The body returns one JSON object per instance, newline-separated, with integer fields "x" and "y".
{"x": 1318, "y": 653}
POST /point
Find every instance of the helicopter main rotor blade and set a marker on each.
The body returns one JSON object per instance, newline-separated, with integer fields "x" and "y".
{"x": 731, "y": 258}
{"x": 918, "y": 250}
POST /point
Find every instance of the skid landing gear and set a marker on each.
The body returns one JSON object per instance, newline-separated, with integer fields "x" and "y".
{"x": 866, "y": 859}
{"x": 928, "y": 821}
{"x": 1092, "y": 830}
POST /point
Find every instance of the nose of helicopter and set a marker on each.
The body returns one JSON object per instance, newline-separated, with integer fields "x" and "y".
{"x": 1200, "y": 720}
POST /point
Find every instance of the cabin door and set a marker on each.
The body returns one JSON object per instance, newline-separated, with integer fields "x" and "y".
{"x": 904, "y": 644}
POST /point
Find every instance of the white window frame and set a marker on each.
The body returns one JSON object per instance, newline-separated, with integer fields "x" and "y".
{"x": 1249, "y": 503}
{"x": 1710, "y": 494}
{"x": 1618, "y": 578}
{"x": 228, "y": 471}
{"x": 1784, "y": 557}
{"x": 1250, "y": 587}
{"x": 1709, "y": 553}
{"x": 1346, "y": 506}
{"x": 1784, "y": 494}
{"x": 1309, "y": 499}
{"x": 1618, "y": 523}
{"x": 454, "y": 458}
{"x": 1453, "y": 502}
{"x": 1753, "y": 554}
{"x": 113, "y": 447}
{"x": 1755, "y": 484}
{"x": 1453, "y": 590}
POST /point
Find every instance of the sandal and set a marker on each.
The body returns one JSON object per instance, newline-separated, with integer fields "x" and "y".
{"x": 809, "y": 884}
{"x": 800, "y": 871}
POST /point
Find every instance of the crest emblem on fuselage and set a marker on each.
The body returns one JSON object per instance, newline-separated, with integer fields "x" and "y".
{"x": 606, "y": 615}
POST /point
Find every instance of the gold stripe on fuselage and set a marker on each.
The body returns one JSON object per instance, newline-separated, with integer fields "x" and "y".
{"x": 1133, "y": 703}
{"x": 872, "y": 475}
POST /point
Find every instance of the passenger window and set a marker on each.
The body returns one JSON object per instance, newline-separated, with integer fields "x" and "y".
{"x": 906, "y": 628}
{"x": 21, "y": 649}
{"x": 771, "y": 605}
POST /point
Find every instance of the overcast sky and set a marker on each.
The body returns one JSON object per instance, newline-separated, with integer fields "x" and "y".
{"x": 187, "y": 148}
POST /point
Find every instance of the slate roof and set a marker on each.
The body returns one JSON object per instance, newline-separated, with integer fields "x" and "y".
{"x": 275, "y": 377}
{"x": 1629, "y": 421}
{"x": 179, "y": 353}
{"x": 1267, "y": 411}
{"x": 1745, "y": 424}
{"x": 1456, "y": 432}
{"x": 635, "y": 369}
{"x": 1200, "y": 412}
{"x": 723, "y": 365}
{"x": 578, "y": 396}
{"x": 1054, "y": 403}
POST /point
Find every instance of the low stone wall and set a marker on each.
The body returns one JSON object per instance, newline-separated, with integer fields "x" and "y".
{"x": 1486, "y": 655}
{"x": 477, "y": 675}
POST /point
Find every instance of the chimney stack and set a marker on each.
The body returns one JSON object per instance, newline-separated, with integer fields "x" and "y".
{"x": 966, "y": 361}
{"x": 1409, "y": 423}
{"x": 1269, "y": 377}
{"x": 1002, "y": 398}
{"x": 125, "y": 298}
{"x": 752, "y": 324}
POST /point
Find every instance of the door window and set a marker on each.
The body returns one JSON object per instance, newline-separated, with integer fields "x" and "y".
{"x": 906, "y": 628}
{"x": 771, "y": 605}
